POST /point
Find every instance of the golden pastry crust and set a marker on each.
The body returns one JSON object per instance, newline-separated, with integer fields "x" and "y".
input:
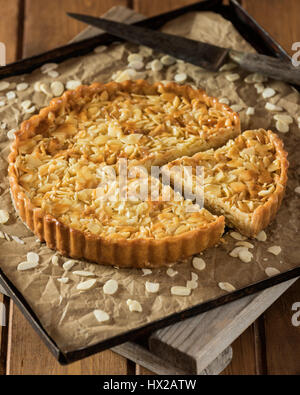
{"x": 42, "y": 147}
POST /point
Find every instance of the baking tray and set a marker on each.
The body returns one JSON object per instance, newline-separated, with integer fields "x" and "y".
{"x": 263, "y": 43}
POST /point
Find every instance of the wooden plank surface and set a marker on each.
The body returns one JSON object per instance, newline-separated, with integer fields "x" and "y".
{"x": 154, "y": 7}
{"x": 9, "y": 30}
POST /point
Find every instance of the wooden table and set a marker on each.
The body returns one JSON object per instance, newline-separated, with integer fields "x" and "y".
{"x": 272, "y": 344}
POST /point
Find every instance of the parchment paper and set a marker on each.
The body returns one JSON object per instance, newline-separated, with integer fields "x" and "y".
{"x": 65, "y": 312}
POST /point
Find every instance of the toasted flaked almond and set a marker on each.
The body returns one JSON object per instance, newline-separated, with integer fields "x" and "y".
{"x": 48, "y": 67}
{"x": 4, "y": 85}
{"x": 245, "y": 255}
{"x": 146, "y": 272}
{"x": 236, "y": 107}
{"x": 37, "y": 86}
{"x": 101, "y": 316}
{"x": 27, "y": 265}
{"x": 171, "y": 272}
{"x": 244, "y": 244}
{"x": 283, "y": 118}
{"x": 2, "y": 103}
{"x": 259, "y": 78}
{"x": 282, "y": 127}
{"x": 191, "y": 284}
{"x": 297, "y": 189}
{"x": 226, "y": 286}
{"x": 63, "y": 280}
{"x": 53, "y": 74}
{"x": 45, "y": 89}
{"x": 194, "y": 276}
{"x": 198, "y": 263}
{"x": 100, "y": 49}
{"x": 232, "y": 77}
{"x": 235, "y": 252}
{"x": 30, "y": 110}
{"x": 22, "y": 86}
{"x": 228, "y": 67}
{"x": 272, "y": 107}
{"x": 134, "y": 305}
{"x": 167, "y": 60}
{"x": 151, "y": 287}
{"x": 180, "y": 77}
{"x": 237, "y": 236}
{"x": 250, "y": 111}
{"x": 33, "y": 257}
{"x": 26, "y": 104}
{"x": 259, "y": 87}
{"x": 136, "y": 65}
{"x": 86, "y": 284}
{"x": 73, "y": 84}
{"x": 274, "y": 250}
{"x": 54, "y": 260}
{"x": 180, "y": 290}
{"x": 83, "y": 273}
{"x": 68, "y": 265}
{"x": 18, "y": 240}
{"x": 4, "y": 216}
{"x": 271, "y": 271}
{"x": 135, "y": 57}
{"x": 156, "y": 65}
{"x": 268, "y": 92}
{"x": 224, "y": 100}
{"x": 261, "y": 236}
{"x": 110, "y": 287}
{"x": 11, "y": 95}
{"x": 57, "y": 88}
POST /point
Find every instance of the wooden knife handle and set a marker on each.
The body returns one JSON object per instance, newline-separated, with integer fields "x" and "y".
{"x": 272, "y": 67}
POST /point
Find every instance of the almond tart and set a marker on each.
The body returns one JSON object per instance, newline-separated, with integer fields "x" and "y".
{"x": 244, "y": 180}
{"x": 57, "y": 158}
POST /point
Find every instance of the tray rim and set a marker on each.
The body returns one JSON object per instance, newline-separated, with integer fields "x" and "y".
{"x": 29, "y": 64}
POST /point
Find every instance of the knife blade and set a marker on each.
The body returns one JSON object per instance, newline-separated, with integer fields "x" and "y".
{"x": 208, "y": 56}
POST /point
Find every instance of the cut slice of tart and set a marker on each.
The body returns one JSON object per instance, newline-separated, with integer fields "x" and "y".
{"x": 244, "y": 180}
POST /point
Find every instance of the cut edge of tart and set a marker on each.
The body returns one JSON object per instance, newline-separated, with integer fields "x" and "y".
{"x": 244, "y": 180}
{"x": 77, "y": 243}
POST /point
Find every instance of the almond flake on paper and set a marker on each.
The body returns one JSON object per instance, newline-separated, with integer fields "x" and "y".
{"x": 226, "y": 286}
{"x": 134, "y": 305}
{"x": 261, "y": 236}
{"x": 83, "y": 273}
{"x": 4, "y": 216}
{"x": 101, "y": 316}
{"x": 271, "y": 271}
{"x": 110, "y": 287}
{"x": 274, "y": 250}
{"x": 180, "y": 291}
{"x": 152, "y": 287}
{"x": 85, "y": 285}
{"x": 198, "y": 263}
{"x": 26, "y": 266}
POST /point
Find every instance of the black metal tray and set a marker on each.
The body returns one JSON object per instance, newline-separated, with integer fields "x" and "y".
{"x": 264, "y": 44}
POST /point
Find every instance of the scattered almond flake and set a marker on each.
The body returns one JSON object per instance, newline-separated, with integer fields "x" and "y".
{"x": 26, "y": 265}
{"x": 18, "y": 240}
{"x": 297, "y": 189}
{"x": 146, "y": 271}
{"x": 259, "y": 87}
{"x": 250, "y": 111}
{"x": 194, "y": 276}
{"x": 37, "y": 86}
{"x": 271, "y": 271}
{"x": 180, "y": 77}
{"x": 83, "y": 273}
{"x": 191, "y": 284}
{"x": 148, "y": 65}
{"x": 11, "y": 95}
{"x": 167, "y": 60}
{"x": 134, "y": 305}
{"x": 110, "y": 287}
{"x": 265, "y": 259}
{"x": 245, "y": 255}
{"x": 4, "y": 216}
{"x": 259, "y": 78}
{"x": 86, "y": 284}
{"x": 228, "y": 67}
{"x": 272, "y": 107}
{"x": 151, "y": 287}
{"x": 282, "y": 127}
{"x": 198, "y": 263}
{"x": 224, "y": 100}
{"x": 236, "y": 107}
{"x": 274, "y": 250}
{"x": 244, "y": 244}
{"x": 268, "y": 92}
{"x": 125, "y": 75}
{"x": 2, "y": 103}
{"x": 136, "y": 65}
{"x": 2, "y": 235}
{"x": 68, "y": 265}
{"x": 232, "y": 77}
{"x": 73, "y": 84}
{"x": 237, "y": 236}
{"x": 101, "y": 316}
{"x": 171, "y": 272}
{"x": 135, "y": 57}
{"x": 63, "y": 280}
{"x": 30, "y": 110}
{"x": 26, "y": 104}
{"x": 22, "y": 86}
{"x": 261, "y": 236}
{"x": 180, "y": 290}
{"x": 7, "y": 237}
{"x": 226, "y": 286}
{"x": 48, "y": 67}
{"x": 283, "y": 118}
{"x": 45, "y": 89}
{"x": 4, "y": 85}
{"x": 249, "y": 79}
{"x": 156, "y": 65}
{"x": 54, "y": 260}
{"x": 235, "y": 252}
{"x": 33, "y": 257}
{"x": 100, "y": 49}
{"x": 57, "y": 88}
{"x": 53, "y": 74}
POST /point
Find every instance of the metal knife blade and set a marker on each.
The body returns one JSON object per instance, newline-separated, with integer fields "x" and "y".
{"x": 205, "y": 55}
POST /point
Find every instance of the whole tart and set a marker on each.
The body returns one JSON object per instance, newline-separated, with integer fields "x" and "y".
{"x": 57, "y": 161}
{"x": 244, "y": 180}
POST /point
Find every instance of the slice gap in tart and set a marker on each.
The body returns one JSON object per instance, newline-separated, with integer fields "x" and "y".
{"x": 244, "y": 180}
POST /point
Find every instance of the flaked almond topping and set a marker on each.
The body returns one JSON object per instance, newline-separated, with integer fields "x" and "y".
{"x": 232, "y": 77}
{"x": 228, "y": 67}
{"x": 30, "y": 110}
{"x": 45, "y": 89}
{"x": 151, "y": 287}
{"x": 226, "y": 286}
{"x": 33, "y": 257}
{"x": 283, "y": 118}
{"x": 245, "y": 255}
{"x": 194, "y": 276}
{"x": 110, "y": 287}
{"x": 37, "y": 86}
{"x": 274, "y": 250}
{"x": 272, "y": 107}
{"x": 27, "y": 265}
{"x": 156, "y": 65}
{"x": 236, "y": 107}
{"x": 136, "y": 65}
{"x": 146, "y": 272}
{"x": 134, "y": 305}
{"x": 83, "y": 273}
{"x": 135, "y": 57}
{"x": 11, "y": 95}
{"x": 53, "y": 74}
{"x": 224, "y": 100}
{"x": 268, "y": 92}
{"x": 191, "y": 284}
{"x": 171, "y": 272}
{"x": 86, "y": 285}
{"x": 235, "y": 252}
{"x": 259, "y": 78}
{"x": 180, "y": 77}
{"x": 73, "y": 84}
{"x": 22, "y": 86}
{"x": 262, "y": 236}
{"x": 250, "y": 111}
{"x": 68, "y": 264}
{"x": 4, "y": 85}
{"x": 237, "y": 236}
{"x": 259, "y": 87}
{"x": 18, "y": 240}
{"x": 54, "y": 260}
{"x": 271, "y": 271}
{"x": 57, "y": 88}
{"x": 2, "y": 103}
{"x": 101, "y": 316}
{"x": 48, "y": 67}
{"x": 167, "y": 60}
{"x": 282, "y": 127}
{"x": 26, "y": 104}
{"x": 63, "y": 280}
{"x": 4, "y": 216}
{"x": 198, "y": 263}
{"x": 244, "y": 244}
{"x": 100, "y": 49}
{"x": 180, "y": 290}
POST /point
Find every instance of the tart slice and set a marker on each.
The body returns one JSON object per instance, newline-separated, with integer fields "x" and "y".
{"x": 244, "y": 180}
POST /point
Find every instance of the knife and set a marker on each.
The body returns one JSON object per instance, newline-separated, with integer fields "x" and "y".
{"x": 208, "y": 56}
